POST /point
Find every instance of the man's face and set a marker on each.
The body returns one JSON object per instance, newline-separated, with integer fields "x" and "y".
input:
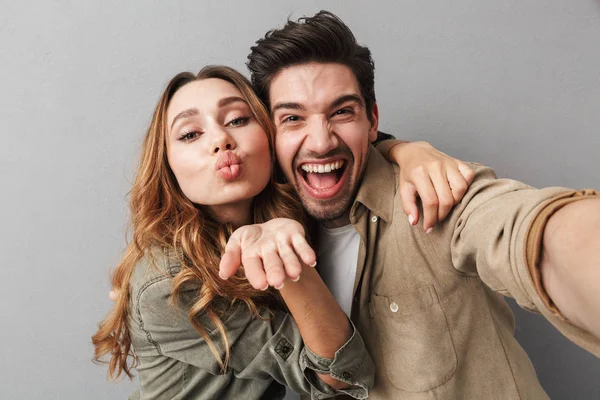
{"x": 323, "y": 135}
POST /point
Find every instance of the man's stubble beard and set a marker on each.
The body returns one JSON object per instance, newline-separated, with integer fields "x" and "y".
{"x": 334, "y": 210}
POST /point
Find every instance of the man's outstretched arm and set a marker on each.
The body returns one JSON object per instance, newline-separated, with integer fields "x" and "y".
{"x": 570, "y": 262}
{"x": 537, "y": 246}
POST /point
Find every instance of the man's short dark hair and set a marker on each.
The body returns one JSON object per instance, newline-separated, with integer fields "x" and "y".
{"x": 321, "y": 38}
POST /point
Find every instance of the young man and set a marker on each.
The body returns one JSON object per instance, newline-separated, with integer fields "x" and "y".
{"x": 429, "y": 304}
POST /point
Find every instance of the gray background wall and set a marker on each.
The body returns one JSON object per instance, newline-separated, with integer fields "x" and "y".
{"x": 513, "y": 84}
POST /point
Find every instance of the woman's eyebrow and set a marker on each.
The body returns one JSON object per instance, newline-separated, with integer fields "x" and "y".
{"x": 190, "y": 112}
{"x": 231, "y": 99}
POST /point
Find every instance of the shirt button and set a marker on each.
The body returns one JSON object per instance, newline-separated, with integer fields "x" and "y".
{"x": 373, "y": 219}
{"x": 394, "y": 306}
{"x": 346, "y": 375}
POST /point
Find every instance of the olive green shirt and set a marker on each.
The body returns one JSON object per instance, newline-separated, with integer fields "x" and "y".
{"x": 175, "y": 362}
{"x": 431, "y": 307}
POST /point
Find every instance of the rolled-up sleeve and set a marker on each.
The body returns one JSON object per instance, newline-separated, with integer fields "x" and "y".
{"x": 497, "y": 233}
{"x": 351, "y": 364}
{"x": 533, "y": 254}
{"x": 269, "y": 347}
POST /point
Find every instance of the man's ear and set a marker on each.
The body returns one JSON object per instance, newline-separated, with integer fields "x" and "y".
{"x": 374, "y": 119}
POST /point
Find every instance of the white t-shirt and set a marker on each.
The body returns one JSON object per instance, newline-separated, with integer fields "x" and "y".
{"x": 337, "y": 258}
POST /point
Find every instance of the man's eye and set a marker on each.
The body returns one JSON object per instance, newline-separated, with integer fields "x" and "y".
{"x": 240, "y": 121}
{"x": 188, "y": 136}
{"x": 291, "y": 118}
{"x": 344, "y": 111}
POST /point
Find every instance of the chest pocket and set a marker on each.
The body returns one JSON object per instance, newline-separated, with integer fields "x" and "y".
{"x": 414, "y": 339}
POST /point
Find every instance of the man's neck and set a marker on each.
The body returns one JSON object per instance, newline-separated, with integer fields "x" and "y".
{"x": 343, "y": 220}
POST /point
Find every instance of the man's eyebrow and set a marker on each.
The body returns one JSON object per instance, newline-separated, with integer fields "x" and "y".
{"x": 190, "y": 112}
{"x": 288, "y": 105}
{"x": 337, "y": 102}
{"x": 347, "y": 98}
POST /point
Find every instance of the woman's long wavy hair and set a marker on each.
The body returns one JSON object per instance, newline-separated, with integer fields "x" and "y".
{"x": 163, "y": 217}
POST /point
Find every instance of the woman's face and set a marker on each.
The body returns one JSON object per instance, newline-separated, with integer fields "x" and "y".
{"x": 216, "y": 149}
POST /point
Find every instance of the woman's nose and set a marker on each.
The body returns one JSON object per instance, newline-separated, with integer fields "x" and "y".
{"x": 222, "y": 141}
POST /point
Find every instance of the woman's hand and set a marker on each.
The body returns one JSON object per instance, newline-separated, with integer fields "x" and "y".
{"x": 269, "y": 252}
{"x": 440, "y": 181}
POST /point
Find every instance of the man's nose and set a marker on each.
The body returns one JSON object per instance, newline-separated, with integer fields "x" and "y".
{"x": 321, "y": 138}
{"x": 222, "y": 140}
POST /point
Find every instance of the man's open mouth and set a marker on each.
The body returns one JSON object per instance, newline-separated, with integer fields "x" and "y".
{"x": 323, "y": 180}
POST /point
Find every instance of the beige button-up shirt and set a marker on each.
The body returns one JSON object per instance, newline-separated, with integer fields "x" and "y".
{"x": 431, "y": 307}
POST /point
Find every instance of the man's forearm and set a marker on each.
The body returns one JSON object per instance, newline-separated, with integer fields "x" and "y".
{"x": 570, "y": 264}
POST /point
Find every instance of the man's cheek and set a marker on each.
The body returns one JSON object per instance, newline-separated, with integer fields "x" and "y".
{"x": 284, "y": 155}
{"x": 283, "y": 164}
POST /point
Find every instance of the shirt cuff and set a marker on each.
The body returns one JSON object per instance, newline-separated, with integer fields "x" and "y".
{"x": 533, "y": 245}
{"x": 351, "y": 364}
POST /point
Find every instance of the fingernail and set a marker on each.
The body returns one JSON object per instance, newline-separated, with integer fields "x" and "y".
{"x": 279, "y": 287}
{"x": 221, "y": 276}
{"x": 411, "y": 219}
{"x": 429, "y": 230}
{"x": 296, "y": 279}
{"x": 265, "y": 288}
{"x": 313, "y": 264}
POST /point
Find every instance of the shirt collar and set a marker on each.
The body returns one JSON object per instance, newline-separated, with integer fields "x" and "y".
{"x": 377, "y": 189}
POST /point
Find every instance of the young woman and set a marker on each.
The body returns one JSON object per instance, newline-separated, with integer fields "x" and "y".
{"x": 207, "y": 169}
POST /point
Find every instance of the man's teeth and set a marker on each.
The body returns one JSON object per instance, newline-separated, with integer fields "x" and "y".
{"x": 322, "y": 168}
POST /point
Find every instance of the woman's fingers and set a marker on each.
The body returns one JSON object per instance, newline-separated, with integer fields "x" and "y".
{"x": 458, "y": 185}
{"x": 304, "y": 250}
{"x": 291, "y": 263}
{"x": 273, "y": 266}
{"x": 255, "y": 271}
{"x": 409, "y": 196}
{"x": 232, "y": 258}
{"x": 466, "y": 171}
{"x": 439, "y": 185}
{"x": 269, "y": 252}
{"x": 443, "y": 192}
{"x": 429, "y": 201}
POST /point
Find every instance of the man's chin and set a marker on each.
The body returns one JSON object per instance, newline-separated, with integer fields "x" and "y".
{"x": 325, "y": 210}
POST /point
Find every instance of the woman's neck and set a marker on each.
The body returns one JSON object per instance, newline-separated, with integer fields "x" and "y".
{"x": 237, "y": 214}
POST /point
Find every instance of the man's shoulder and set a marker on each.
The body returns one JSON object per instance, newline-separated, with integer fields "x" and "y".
{"x": 378, "y": 169}
{"x": 378, "y": 186}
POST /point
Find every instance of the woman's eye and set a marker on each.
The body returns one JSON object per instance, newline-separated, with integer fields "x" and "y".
{"x": 238, "y": 121}
{"x": 188, "y": 136}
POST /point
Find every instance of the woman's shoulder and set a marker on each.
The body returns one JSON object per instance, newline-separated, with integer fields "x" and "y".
{"x": 150, "y": 305}
{"x": 155, "y": 268}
